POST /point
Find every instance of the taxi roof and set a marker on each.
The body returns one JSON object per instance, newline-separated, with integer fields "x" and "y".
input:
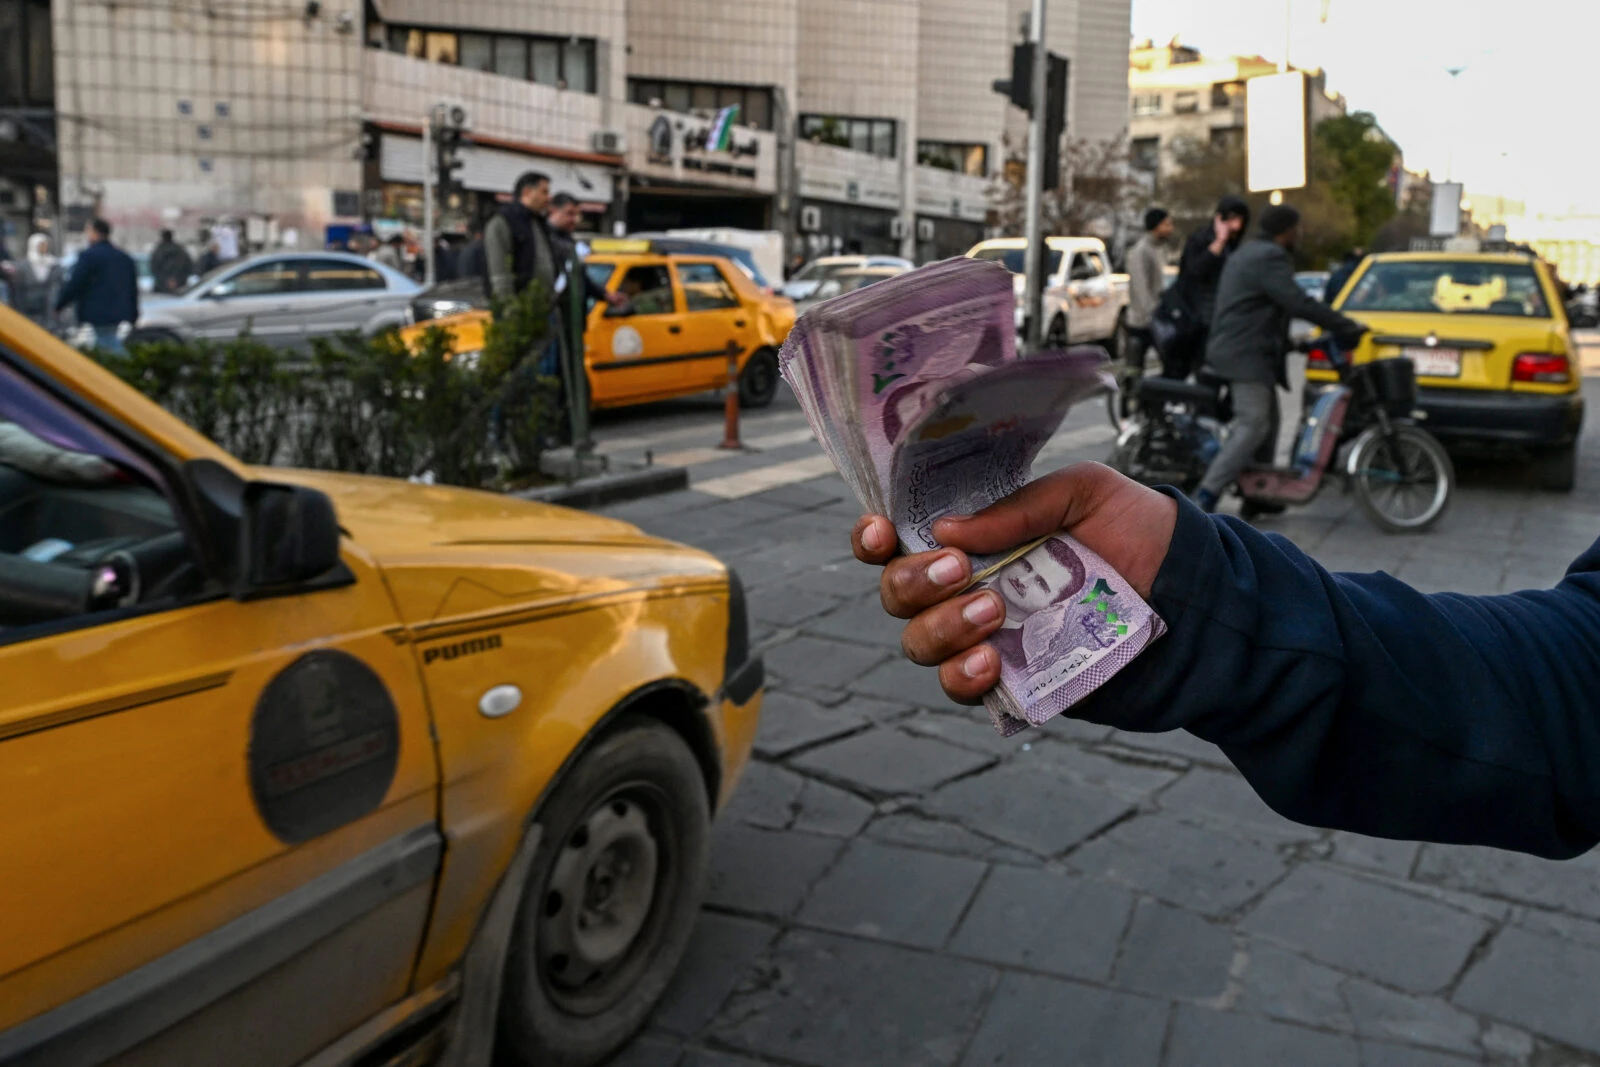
{"x": 1452, "y": 257}
{"x": 612, "y": 247}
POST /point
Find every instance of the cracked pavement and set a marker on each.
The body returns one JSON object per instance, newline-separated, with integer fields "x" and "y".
{"x": 893, "y": 883}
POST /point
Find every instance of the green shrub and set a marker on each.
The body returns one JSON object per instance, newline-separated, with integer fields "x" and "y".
{"x": 369, "y": 405}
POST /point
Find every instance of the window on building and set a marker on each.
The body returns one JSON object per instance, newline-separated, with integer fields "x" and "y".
{"x": 565, "y": 62}
{"x": 873, "y": 136}
{"x": 960, "y": 157}
{"x": 1223, "y": 94}
{"x": 27, "y": 72}
{"x": 1186, "y": 103}
{"x": 754, "y": 102}
{"x": 1144, "y": 153}
{"x": 1147, "y": 103}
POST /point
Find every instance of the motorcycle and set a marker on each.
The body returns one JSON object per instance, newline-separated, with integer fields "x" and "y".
{"x": 1400, "y": 474}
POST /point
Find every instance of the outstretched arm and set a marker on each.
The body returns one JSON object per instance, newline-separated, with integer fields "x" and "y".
{"x": 1349, "y": 701}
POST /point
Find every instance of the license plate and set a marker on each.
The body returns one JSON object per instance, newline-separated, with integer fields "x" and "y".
{"x": 1434, "y": 362}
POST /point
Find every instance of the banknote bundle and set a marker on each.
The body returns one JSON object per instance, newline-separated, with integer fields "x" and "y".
{"x": 914, "y": 389}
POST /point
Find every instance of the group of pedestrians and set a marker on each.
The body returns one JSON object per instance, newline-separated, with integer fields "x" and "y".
{"x": 1225, "y": 319}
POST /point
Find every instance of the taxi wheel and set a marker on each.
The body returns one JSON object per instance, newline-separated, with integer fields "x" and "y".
{"x": 758, "y": 382}
{"x": 611, "y": 900}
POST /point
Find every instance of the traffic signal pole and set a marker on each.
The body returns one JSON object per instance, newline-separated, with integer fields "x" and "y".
{"x": 427, "y": 192}
{"x": 1036, "y": 258}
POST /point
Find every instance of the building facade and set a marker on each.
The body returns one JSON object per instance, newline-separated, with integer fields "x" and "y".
{"x": 850, "y": 125}
{"x": 1177, "y": 95}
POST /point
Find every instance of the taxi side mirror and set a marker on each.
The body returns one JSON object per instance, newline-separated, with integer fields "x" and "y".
{"x": 288, "y": 536}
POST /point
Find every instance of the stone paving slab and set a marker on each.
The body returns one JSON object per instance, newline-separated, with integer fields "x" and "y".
{"x": 902, "y": 895}
{"x": 1038, "y": 1020}
{"x": 886, "y": 761}
{"x": 1044, "y": 920}
{"x": 1029, "y": 807}
{"x": 1544, "y": 984}
{"x": 1207, "y": 871}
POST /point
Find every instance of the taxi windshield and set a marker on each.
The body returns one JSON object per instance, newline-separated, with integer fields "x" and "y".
{"x": 1453, "y": 287}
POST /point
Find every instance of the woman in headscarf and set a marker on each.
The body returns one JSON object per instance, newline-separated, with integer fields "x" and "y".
{"x": 37, "y": 280}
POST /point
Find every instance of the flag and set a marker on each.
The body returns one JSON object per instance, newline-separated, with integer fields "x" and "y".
{"x": 720, "y": 139}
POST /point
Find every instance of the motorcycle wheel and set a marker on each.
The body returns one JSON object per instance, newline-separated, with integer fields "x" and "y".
{"x": 1402, "y": 480}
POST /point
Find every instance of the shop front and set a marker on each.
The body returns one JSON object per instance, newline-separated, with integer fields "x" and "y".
{"x": 951, "y": 212}
{"x": 697, "y": 171}
{"x": 850, "y": 202}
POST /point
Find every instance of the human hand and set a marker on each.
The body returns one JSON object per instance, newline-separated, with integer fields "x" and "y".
{"x": 615, "y": 299}
{"x": 1126, "y": 524}
{"x": 1221, "y": 233}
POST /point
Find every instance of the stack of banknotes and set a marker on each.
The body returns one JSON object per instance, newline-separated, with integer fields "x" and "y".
{"x": 914, "y": 388}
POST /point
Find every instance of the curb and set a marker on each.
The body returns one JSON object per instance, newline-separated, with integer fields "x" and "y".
{"x": 611, "y": 488}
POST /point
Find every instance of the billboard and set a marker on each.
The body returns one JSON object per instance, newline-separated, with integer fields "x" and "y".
{"x": 1275, "y": 131}
{"x": 1445, "y": 220}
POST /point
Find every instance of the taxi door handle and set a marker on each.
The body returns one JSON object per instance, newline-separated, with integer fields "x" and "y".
{"x": 739, "y": 323}
{"x": 674, "y": 329}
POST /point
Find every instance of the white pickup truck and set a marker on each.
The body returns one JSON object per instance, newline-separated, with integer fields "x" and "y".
{"x": 1083, "y": 301}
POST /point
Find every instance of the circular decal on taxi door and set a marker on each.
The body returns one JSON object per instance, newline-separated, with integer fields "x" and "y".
{"x": 626, "y": 343}
{"x": 324, "y": 744}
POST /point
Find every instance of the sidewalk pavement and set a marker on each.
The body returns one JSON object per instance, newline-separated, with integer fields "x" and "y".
{"x": 893, "y": 883}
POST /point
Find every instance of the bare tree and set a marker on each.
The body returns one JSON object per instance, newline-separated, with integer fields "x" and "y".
{"x": 1099, "y": 190}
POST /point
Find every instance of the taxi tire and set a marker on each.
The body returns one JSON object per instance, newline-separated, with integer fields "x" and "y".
{"x": 536, "y": 1030}
{"x": 758, "y": 382}
{"x": 1557, "y": 469}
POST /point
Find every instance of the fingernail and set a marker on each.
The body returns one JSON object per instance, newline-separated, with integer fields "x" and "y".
{"x": 976, "y": 663}
{"x": 946, "y": 570}
{"x": 982, "y": 610}
{"x": 871, "y": 539}
{"x": 954, "y": 518}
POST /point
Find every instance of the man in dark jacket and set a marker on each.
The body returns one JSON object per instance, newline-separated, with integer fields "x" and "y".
{"x": 170, "y": 264}
{"x": 1341, "y": 274}
{"x": 104, "y": 286}
{"x": 1195, "y": 289}
{"x": 516, "y": 243}
{"x": 1348, "y": 701}
{"x": 1248, "y": 343}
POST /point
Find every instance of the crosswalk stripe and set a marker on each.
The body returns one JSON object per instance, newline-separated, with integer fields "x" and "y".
{"x": 701, "y": 431}
{"x": 760, "y": 479}
{"x": 690, "y": 457}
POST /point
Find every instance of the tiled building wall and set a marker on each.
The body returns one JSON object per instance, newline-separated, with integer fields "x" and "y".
{"x": 252, "y": 112}
{"x": 1099, "y": 97}
{"x": 962, "y": 48}
{"x": 859, "y": 57}
{"x": 751, "y": 42}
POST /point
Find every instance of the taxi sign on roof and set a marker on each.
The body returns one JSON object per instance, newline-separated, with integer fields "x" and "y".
{"x": 620, "y": 245}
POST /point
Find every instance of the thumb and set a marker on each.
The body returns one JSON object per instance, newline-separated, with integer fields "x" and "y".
{"x": 1055, "y": 502}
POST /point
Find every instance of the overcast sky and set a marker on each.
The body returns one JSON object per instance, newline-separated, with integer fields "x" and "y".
{"x": 1522, "y": 120}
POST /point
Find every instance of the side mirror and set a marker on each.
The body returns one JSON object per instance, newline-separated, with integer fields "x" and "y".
{"x": 288, "y": 535}
{"x": 619, "y": 311}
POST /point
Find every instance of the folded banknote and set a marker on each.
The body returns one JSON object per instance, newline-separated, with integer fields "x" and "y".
{"x": 914, "y": 388}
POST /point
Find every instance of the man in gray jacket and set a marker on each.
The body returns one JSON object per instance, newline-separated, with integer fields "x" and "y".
{"x": 1257, "y": 297}
{"x": 1146, "y": 279}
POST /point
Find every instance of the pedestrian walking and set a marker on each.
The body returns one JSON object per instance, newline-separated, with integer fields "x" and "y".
{"x": 37, "y": 282}
{"x": 1340, "y": 275}
{"x": 1257, "y": 297}
{"x": 445, "y": 260}
{"x": 103, "y": 287}
{"x": 517, "y": 240}
{"x": 1188, "y": 305}
{"x": 171, "y": 266}
{"x": 389, "y": 253}
{"x": 470, "y": 261}
{"x": 1146, "y": 267}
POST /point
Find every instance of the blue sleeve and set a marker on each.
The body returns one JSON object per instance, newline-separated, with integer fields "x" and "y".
{"x": 1356, "y": 702}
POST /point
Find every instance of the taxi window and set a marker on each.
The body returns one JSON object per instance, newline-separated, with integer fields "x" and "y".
{"x": 704, "y": 287}
{"x": 84, "y": 531}
{"x": 648, "y": 289}
{"x": 1450, "y": 287}
{"x": 599, "y": 273}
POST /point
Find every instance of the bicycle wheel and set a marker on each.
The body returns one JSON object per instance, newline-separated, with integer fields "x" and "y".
{"x": 1403, "y": 479}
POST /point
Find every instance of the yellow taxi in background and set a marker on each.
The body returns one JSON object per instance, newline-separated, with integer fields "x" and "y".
{"x": 685, "y": 315}
{"x": 300, "y": 764}
{"x": 1488, "y": 336}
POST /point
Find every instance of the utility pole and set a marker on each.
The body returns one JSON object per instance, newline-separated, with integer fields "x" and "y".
{"x": 1037, "y": 258}
{"x": 427, "y": 190}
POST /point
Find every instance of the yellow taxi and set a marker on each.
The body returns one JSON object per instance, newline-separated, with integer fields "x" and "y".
{"x": 1488, "y": 336}
{"x": 310, "y": 767}
{"x": 685, "y": 316}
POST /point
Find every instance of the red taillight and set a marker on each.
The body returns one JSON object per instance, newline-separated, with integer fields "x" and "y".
{"x": 1317, "y": 359}
{"x": 1541, "y": 367}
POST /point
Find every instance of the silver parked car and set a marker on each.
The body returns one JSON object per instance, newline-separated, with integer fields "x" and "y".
{"x": 282, "y": 298}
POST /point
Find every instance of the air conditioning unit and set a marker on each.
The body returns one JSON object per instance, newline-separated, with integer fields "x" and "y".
{"x": 924, "y": 229}
{"x": 897, "y": 228}
{"x": 811, "y": 218}
{"x": 608, "y": 142}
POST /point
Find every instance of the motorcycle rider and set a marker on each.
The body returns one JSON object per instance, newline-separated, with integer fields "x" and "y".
{"x": 1257, "y": 297}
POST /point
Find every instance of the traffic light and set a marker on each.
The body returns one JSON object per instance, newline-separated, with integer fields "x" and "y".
{"x": 1055, "y": 118}
{"x": 448, "y": 136}
{"x": 1019, "y": 90}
